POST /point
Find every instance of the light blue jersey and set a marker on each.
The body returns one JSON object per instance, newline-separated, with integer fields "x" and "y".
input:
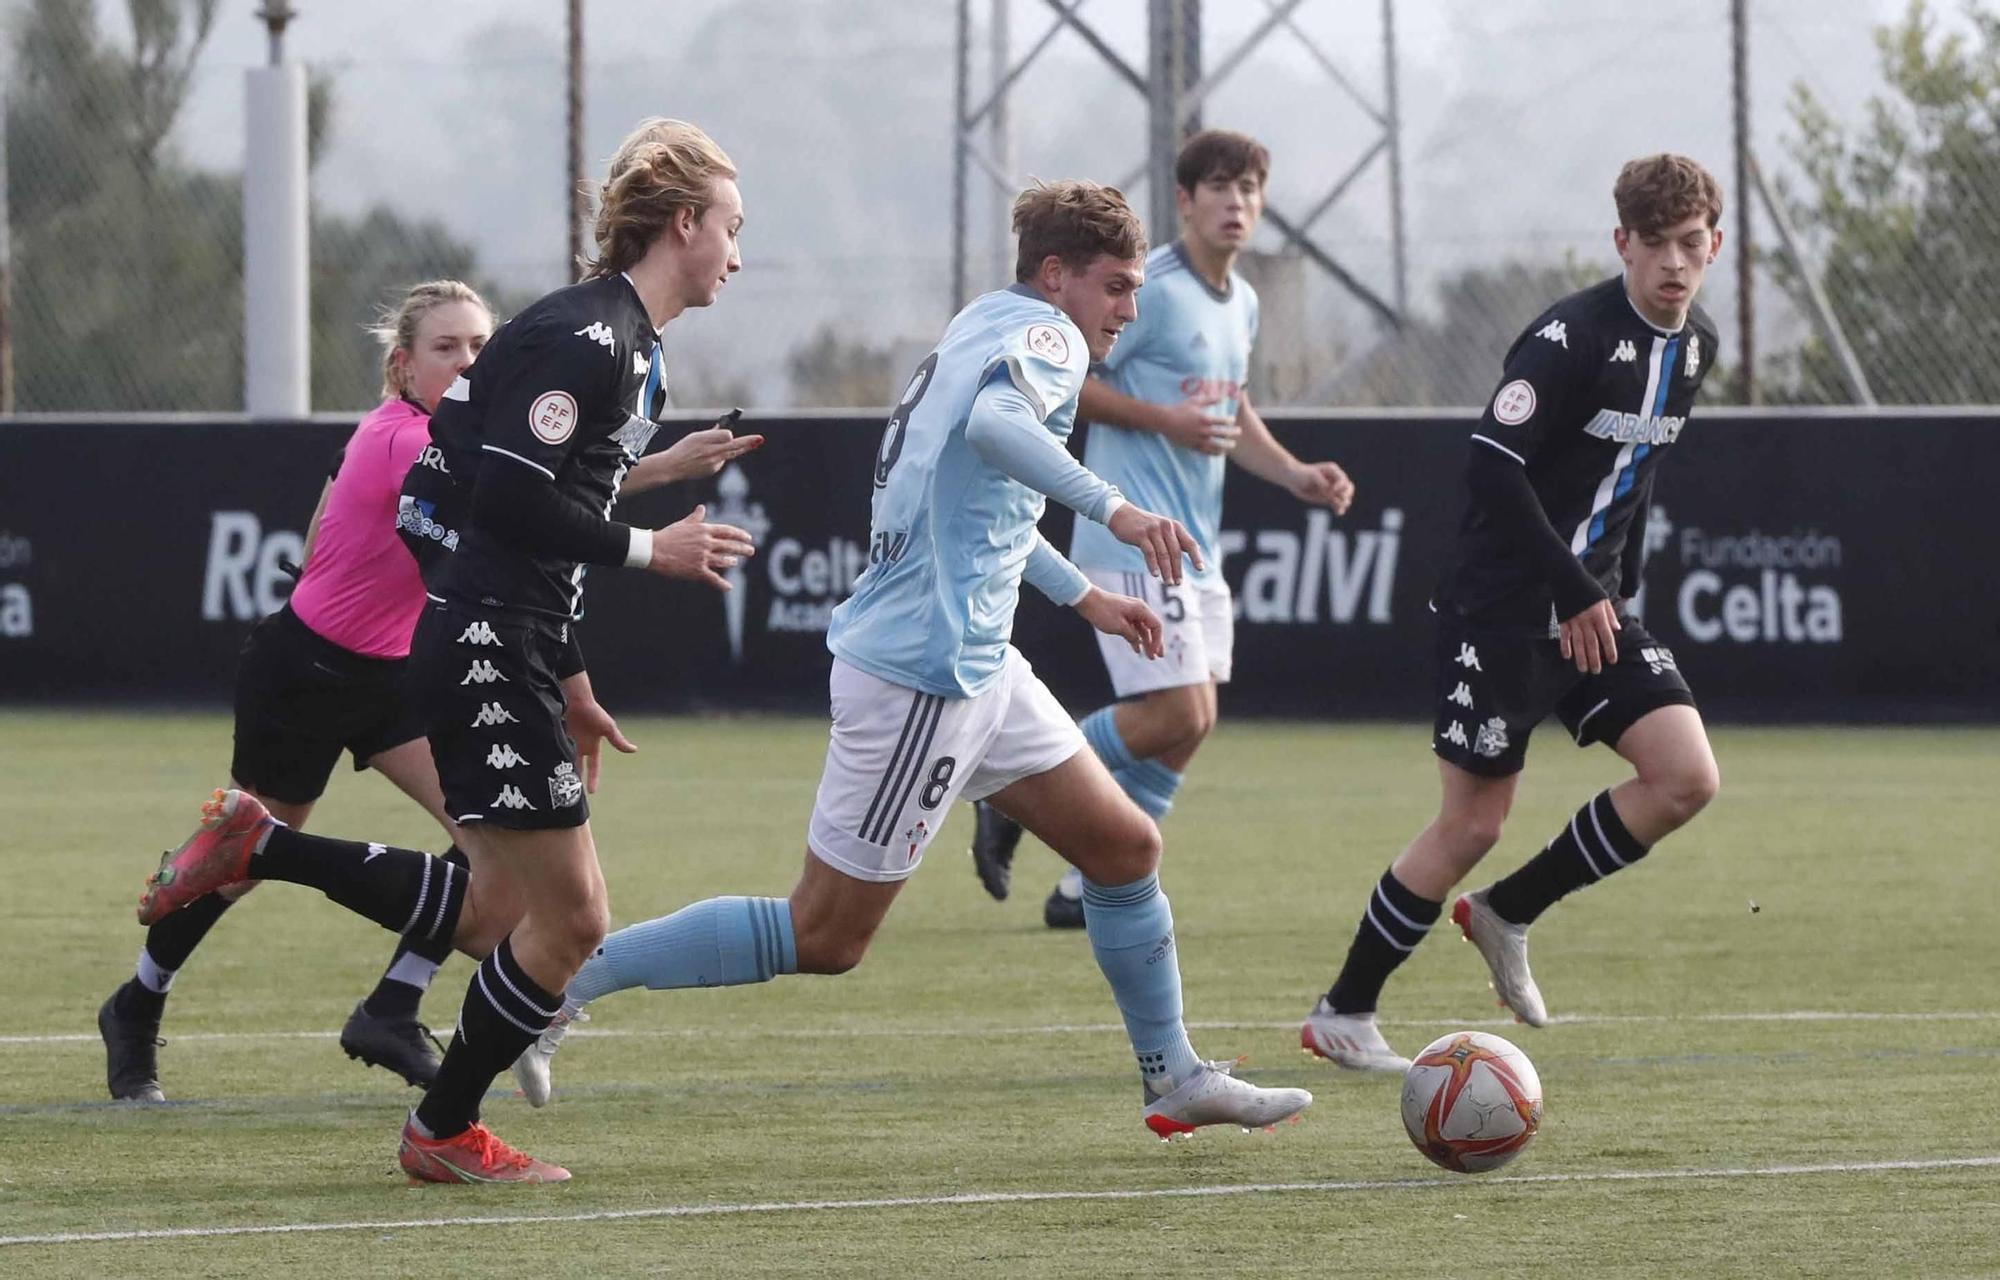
{"x": 950, "y": 533}
{"x": 1189, "y": 340}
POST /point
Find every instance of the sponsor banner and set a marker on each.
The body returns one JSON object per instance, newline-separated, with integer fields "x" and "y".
{"x": 1802, "y": 566}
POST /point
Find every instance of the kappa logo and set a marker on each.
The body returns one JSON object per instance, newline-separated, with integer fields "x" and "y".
{"x": 375, "y": 851}
{"x": 510, "y": 797}
{"x": 491, "y": 714}
{"x": 599, "y": 332}
{"x": 1468, "y": 657}
{"x": 504, "y": 757}
{"x": 1462, "y": 696}
{"x": 1659, "y": 659}
{"x": 1047, "y": 341}
{"x": 565, "y": 788}
{"x": 1454, "y": 735}
{"x": 1492, "y": 738}
{"x": 480, "y": 633}
{"x": 914, "y": 838}
{"x": 1694, "y": 354}
{"x": 1625, "y": 353}
{"x": 639, "y": 365}
{"x": 1555, "y": 331}
{"x": 482, "y": 672}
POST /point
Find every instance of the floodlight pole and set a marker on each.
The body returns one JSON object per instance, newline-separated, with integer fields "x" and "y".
{"x": 277, "y": 341}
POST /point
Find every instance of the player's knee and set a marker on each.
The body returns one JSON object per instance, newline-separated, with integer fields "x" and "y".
{"x": 579, "y": 930}
{"x": 1469, "y": 835}
{"x": 1133, "y": 852}
{"x": 1189, "y": 721}
{"x": 1687, "y": 790}
{"x": 830, "y": 951}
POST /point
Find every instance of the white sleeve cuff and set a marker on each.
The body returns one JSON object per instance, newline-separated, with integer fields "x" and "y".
{"x": 1111, "y": 505}
{"x": 640, "y": 553}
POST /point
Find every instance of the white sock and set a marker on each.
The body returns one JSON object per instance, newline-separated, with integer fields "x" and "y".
{"x": 151, "y": 976}
{"x": 412, "y": 970}
{"x": 1071, "y": 885}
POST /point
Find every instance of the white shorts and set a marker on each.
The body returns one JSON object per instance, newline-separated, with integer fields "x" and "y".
{"x": 1198, "y": 626}
{"x": 897, "y": 759}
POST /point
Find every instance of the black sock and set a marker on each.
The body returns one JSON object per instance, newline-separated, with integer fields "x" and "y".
{"x": 1591, "y": 847}
{"x": 138, "y": 1001}
{"x": 400, "y": 889}
{"x": 504, "y": 1011}
{"x": 1392, "y": 925}
{"x": 396, "y": 998}
{"x": 174, "y": 938}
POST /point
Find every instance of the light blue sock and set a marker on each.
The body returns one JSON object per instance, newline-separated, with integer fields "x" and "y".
{"x": 723, "y": 942}
{"x": 1100, "y": 730}
{"x": 1151, "y": 785}
{"x": 1131, "y": 929}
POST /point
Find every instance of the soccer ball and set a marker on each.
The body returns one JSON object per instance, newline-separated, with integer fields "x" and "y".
{"x": 1471, "y": 1102}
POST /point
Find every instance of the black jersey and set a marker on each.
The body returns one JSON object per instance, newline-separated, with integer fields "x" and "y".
{"x": 1592, "y": 396}
{"x": 570, "y": 389}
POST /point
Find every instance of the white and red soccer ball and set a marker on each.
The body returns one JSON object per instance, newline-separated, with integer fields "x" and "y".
{"x": 1471, "y": 1102}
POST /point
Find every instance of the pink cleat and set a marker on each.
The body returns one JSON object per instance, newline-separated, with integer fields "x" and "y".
{"x": 232, "y": 824}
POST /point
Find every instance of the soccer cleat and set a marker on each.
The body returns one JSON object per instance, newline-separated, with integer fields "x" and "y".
{"x": 995, "y": 836}
{"x": 473, "y": 1156}
{"x": 1061, "y": 911}
{"x": 131, "y": 1066}
{"x": 218, "y": 853}
{"x": 531, "y": 1069}
{"x": 1348, "y": 1040}
{"x": 1213, "y": 1095}
{"x": 402, "y": 1045}
{"x": 1505, "y": 946}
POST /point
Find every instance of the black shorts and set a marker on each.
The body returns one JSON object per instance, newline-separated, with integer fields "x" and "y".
{"x": 485, "y": 684}
{"x": 301, "y": 700}
{"x": 1494, "y": 687}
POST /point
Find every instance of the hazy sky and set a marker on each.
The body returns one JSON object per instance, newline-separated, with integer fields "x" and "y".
{"x": 1516, "y": 117}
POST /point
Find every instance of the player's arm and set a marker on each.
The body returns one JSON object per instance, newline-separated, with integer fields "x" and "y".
{"x": 589, "y": 724}
{"x": 1006, "y": 430}
{"x": 1258, "y": 452}
{"x": 1192, "y": 423}
{"x": 1533, "y": 396}
{"x": 1051, "y": 573}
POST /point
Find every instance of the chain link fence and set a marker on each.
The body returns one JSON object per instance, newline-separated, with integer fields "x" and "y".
{"x": 438, "y": 144}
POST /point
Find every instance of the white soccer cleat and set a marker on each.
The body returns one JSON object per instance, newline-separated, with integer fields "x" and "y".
{"x": 1348, "y": 1040}
{"x": 1505, "y": 946}
{"x": 531, "y": 1069}
{"x": 1212, "y": 1095}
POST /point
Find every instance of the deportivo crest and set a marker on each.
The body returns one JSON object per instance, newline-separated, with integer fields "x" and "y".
{"x": 552, "y": 417}
{"x": 565, "y": 788}
{"x": 1047, "y": 341}
{"x": 599, "y": 332}
{"x": 1694, "y": 354}
{"x": 504, "y": 756}
{"x": 914, "y": 839}
{"x": 1491, "y": 739}
{"x": 479, "y": 633}
{"x": 1515, "y": 403}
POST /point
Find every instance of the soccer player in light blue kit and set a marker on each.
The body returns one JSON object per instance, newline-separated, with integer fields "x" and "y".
{"x": 1167, "y": 406}
{"x": 931, "y": 702}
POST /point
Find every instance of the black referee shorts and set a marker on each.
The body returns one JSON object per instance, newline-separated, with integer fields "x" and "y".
{"x": 485, "y": 685}
{"x": 301, "y": 700}
{"x": 1494, "y": 687}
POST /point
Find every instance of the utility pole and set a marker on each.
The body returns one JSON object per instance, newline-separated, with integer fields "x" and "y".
{"x": 277, "y": 337}
{"x": 1746, "y": 254}
{"x": 1000, "y": 138}
{"x": 575, "y": 198}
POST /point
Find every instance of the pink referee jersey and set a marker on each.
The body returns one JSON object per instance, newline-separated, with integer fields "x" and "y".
{"x": 361, "y": 589}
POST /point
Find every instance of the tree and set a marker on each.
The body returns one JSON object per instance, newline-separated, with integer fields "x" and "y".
{"x": 1901, "y": 214}
{"x": 128, "y": 262}
{"x": 831, "y": 373}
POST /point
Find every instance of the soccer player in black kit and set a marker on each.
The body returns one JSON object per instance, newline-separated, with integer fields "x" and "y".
{"x": 1533, "y": 616}
{"x": 541, "y": 431}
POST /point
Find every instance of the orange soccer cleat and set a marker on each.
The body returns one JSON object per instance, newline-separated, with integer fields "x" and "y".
{"x": 216, "y": 855}
{"x": 473, "y": 1156}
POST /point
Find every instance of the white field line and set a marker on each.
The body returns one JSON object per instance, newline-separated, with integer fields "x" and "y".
{"x": 1014, "y": 1197}
{"x": 1094, "y": 1028}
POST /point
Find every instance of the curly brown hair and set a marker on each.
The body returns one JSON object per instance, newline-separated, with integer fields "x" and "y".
{"x": 1655, "y": 192}
{"x": 662, "y": 167}
{"x": 1074, "y": 220}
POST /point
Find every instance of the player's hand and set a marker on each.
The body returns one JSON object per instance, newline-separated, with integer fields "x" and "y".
{"x": 1590, "y": 638}
{"x": 592, "y": 726}
{"x": 1323, "y": 484}
{"x": 1163, "y": 541}
{"x": 700, "y": 454}
{"x": 1117, "y": 615}
{"x": 1194, "y": 424}
{"x": 694, "y": 549}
